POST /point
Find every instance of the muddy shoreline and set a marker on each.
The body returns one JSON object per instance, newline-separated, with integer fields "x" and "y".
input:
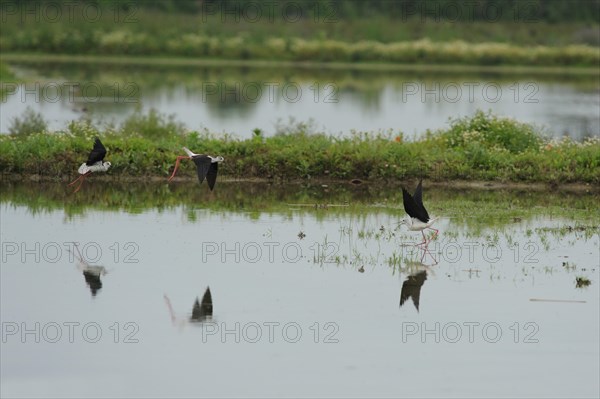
{"x": 577, "y": 187}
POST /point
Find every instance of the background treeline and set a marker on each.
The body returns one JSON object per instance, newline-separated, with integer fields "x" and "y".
{"x": 454, "y": 10}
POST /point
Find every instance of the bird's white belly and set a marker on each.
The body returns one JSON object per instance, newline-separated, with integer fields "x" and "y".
{"x": 417, "y": 225}
{"x": 97, "y": 167}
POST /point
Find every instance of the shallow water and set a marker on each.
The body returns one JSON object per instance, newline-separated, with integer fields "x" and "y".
{"x": 237, "y": 100}
{"x": 311, "y": 314}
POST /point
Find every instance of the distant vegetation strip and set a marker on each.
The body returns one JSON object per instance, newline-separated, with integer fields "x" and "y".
{"x": 481, "y": 147}
{"x": 422, "y": 51}
{"x": 543, "y": 33}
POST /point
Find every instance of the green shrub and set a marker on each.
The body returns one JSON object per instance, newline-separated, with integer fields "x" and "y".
{"x": 30, "y": 122}
{"x": 492, "y": 132}
{"x": 152, "y": 125}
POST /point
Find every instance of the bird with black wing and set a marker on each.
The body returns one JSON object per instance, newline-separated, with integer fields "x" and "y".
{"x": 207, "y": 166}
{"x": 201, "y": 311}
{"x": 411, "y": 288}
{"x": 94, "y": 163}
{"x": 419, "y": 218}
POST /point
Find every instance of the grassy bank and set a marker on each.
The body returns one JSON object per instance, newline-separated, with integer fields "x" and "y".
{"x": 266, "y": 69}
{"x": 482, "y": 147}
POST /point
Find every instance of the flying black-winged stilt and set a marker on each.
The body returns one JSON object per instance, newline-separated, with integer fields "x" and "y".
{"x": 94, "y": 163}
{"x": 206, "y": 166}
{"x": 419, "y": 218}
{"x": 202, "y": 310}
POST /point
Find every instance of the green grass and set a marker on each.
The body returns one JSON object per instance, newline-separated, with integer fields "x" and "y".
{"x": 482, "y": 147}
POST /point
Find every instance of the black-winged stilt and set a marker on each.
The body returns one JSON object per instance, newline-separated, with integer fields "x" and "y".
{"x": 94, "y": 163}
{"x": 207, "y": 166}
{"x": 411, "y": 288}
{"x": 419, "y": 218}
{"x": 202, "y": 310}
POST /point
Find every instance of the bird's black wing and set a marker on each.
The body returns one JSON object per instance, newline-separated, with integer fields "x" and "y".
{"x": 93, "y": 281}
{"x": 202, "y": 165}
{"x": 203, "y": 310}
{"x": 411, "y": 207}
{"x": 411, "y": 288}
{"x": 211, "y": 176}
{"x": 97, "y": 154}
{"x": 418, "y": 197}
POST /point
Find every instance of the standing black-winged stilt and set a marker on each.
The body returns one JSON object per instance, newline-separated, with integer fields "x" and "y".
{"x": 93, "y": 164}
{"x": 206, "y": 166}
{"x": 419, "y": 218}
{"x": 202, "y": 310}
{"x": 411, "y": 288}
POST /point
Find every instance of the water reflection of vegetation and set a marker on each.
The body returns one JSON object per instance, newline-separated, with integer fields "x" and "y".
{"x": 472, "y": 209}
{"x": 153, "y": 78}
{"x": 227, "y": 86}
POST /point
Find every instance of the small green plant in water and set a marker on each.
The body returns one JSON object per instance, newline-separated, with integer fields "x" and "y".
{"x": 581, "y": 282}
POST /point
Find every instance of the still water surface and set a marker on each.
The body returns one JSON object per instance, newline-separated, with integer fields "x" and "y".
{"x": 237, "y": 100}
{"x": 313, "y": 316}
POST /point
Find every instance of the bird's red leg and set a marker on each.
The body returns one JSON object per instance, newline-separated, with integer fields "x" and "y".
{"x": 177, "y": 165}
{"x": 424, "y": 239}
{"x": 81, "y": 178}
{"x": 171, "y": 312}
{"x": 80, "y": 183}
{"x": 434, "y": 236}
{"x": 435, "y": 262}
{"x": 426, "y": 251}
{"x": 75, "y": 181}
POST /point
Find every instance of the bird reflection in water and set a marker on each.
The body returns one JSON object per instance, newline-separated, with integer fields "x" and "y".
{"x": 411, "y": 288}
{"x": 202, "y": 311}
{"x": 91, "y": 273}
